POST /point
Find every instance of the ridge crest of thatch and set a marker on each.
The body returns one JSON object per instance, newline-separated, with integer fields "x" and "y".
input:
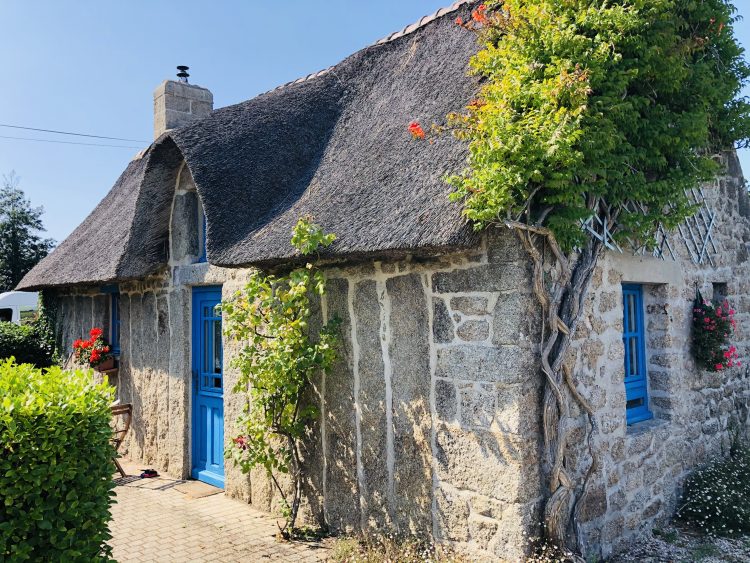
{"x": 409, "y": 29}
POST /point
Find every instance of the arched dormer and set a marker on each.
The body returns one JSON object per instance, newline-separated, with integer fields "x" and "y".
{"x": 187, "y": 230}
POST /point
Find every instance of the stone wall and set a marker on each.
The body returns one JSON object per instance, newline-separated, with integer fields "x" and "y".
{"x": 695, "y": 412}
{"x": 425, "y": 419}
{"x": 430, "y": 421}
{"x": 426, "y": 416}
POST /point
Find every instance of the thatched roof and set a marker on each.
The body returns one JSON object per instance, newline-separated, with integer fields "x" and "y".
{"x": 334, "y": 145}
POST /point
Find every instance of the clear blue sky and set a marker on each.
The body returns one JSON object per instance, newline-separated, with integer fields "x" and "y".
{"x": 91, "y": 66}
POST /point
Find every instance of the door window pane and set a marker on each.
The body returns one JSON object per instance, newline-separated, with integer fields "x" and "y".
{"x": 217, "y": 346}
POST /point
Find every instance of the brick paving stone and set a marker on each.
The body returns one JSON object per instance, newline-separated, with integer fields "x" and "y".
{"x": 152, "y": 521}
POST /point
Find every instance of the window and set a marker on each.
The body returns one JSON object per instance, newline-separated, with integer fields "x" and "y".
{"x": 633, "y": 338}
{"x": 720, "y": 291}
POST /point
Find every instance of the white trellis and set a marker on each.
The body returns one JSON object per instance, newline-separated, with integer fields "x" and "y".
{"x": 696, "y": 233}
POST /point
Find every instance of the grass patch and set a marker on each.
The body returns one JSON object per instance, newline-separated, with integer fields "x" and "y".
{"x": 391, "y": 549}
{"x": 704, "y": 551}
{"x": 668, "y": 536}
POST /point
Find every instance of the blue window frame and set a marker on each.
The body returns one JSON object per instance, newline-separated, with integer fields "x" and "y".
{"x": 202, "y": 241}
{"x": 634, "y": 340}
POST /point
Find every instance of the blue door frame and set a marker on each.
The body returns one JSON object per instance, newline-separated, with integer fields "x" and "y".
{"x": 208, "y": 388}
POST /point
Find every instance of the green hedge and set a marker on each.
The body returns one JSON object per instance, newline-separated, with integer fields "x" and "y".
{"x": 55, "y": 465}
{"x": 28, "y": 344}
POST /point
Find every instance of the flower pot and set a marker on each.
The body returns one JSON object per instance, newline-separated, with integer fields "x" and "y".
{"x": 105, "y": 365}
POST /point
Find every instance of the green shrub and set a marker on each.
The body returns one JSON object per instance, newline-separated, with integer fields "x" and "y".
{"x": 28, "y": 344}
{"x": 717, "y": 498}
{"x": 55, "y": 465}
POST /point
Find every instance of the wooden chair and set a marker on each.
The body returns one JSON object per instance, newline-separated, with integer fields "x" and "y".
{"x": 122, "y": 415}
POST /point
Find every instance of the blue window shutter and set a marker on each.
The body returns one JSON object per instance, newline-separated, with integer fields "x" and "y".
{"x": 634, "y": 341}
{"x": 202, "y": 241}
{"x": 114, "y": 337}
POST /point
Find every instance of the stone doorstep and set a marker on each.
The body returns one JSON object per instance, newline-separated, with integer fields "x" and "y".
{"x": 191, "y": 488}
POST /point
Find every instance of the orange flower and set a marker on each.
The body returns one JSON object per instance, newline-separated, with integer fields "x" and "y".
{"x": 480, "y": 14}
{"x": 459, "y": 21}
{"x": 416, "y": 130}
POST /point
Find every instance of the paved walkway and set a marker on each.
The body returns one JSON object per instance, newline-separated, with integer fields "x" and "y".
{"x": 165, "y": 519}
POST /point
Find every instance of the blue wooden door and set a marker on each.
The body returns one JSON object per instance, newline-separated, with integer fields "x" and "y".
{"x": 208, "y": 388}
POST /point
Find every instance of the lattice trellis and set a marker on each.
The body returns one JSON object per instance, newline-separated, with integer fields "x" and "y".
{"x": 598, "y": 229}
{"x": 661, "y": 248}
{"x": 696, "y": 233}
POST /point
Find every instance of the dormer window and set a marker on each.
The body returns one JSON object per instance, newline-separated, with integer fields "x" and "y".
{"x": 202, "y": 230}
{"x": 188, "y": 223}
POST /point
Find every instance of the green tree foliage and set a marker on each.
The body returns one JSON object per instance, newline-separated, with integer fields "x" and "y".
{"x": 591, "y": 104}
{"x": 280, "y": 354}
{"x": 55, "y": 465}
{"x": 21, "y": 247}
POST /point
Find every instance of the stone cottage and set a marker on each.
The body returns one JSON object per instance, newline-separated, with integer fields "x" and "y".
{"x": 430, "y": 422}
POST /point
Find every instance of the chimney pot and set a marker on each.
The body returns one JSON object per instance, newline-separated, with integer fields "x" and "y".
{"x": 177, "y": 103}
{"x": 183, "y": 74}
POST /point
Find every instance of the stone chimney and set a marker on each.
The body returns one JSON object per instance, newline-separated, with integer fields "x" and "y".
{"x": 177, "y": 103}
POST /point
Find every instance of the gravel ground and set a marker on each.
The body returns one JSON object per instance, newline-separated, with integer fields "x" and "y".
{"x": 677, "y": 545}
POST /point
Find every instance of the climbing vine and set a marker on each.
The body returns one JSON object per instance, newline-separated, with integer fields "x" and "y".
{"x": 280, "y": 353}
{"x": 598, "y": 111}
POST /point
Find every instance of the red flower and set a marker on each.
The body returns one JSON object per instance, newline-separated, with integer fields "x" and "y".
{"x": 78, "y": 343}
{"x": 240, "y": 442}
{"x": 459, "y": 21}
{"x": 480, "y": 14}
{"x": 416, "y": 130}
{"x": 719, "y": 367}
{"x": 95, "y": 333}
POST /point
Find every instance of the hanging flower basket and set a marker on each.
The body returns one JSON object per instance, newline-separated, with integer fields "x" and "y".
{"x": 95, "y": 351}
{"x": 713, "y": 325}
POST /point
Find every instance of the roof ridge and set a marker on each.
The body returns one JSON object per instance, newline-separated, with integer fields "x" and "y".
{"x": 409, "y": 29}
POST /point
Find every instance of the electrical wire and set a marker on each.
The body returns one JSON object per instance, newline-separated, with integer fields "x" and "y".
{"x": 69, "y": 142}
{"x": 69, "y": 133}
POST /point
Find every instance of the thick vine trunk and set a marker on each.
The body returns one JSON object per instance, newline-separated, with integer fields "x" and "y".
{"x": 561, "y": 292}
